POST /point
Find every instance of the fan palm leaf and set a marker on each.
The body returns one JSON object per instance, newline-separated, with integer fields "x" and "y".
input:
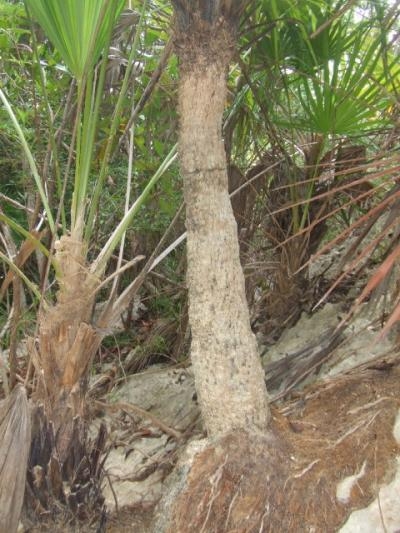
{"x": 78, "y": 29}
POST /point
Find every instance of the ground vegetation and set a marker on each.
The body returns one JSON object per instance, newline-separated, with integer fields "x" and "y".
{"x": 170, "y": 173}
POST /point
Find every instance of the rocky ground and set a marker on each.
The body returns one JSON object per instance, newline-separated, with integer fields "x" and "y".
{"x": 335, "y": 401}
{"x": 340, "y": 408}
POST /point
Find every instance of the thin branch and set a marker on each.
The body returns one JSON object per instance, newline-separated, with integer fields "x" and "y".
{"x": 16, "y": 204}
{"x": 147, "y": 92}
{"x": 130, "y": 407}
{"x": 335, "y": 16}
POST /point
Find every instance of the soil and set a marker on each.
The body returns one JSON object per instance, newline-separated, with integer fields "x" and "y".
{"x": 340, "y": 428}
{"x": 130, "y": 520}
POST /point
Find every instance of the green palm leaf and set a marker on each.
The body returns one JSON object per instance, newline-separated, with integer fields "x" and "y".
{"x": 77, "y": 28}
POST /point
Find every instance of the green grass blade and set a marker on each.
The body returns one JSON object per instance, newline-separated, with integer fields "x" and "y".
{"x": 24, "y": 232}
{"x": 20, "y": 274}
{"x": 100, "y": 263}
{"x": 31, "y": 161}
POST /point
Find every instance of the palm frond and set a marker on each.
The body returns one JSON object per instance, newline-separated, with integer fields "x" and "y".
{"x": 71, "y": 26}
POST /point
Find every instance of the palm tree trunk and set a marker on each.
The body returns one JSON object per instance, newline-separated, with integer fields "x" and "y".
{"x": 228, "y": 373}
{"x": 67, "y": 342}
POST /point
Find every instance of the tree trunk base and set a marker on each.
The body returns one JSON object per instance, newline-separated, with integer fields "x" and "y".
{"x": 235, "y": 483}
{"x": 332, "y": 449}
{"x": 65, "y": 490}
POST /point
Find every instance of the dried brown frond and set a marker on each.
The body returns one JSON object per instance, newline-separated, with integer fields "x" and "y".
{"x": 64, "y": 490}
{"x": 15, "y": 441}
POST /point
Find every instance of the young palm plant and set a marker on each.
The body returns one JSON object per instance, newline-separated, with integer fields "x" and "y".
{"x": 67, "y": 337}
{"x": 333, "y": 94}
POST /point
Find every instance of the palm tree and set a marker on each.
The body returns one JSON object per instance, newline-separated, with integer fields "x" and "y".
{"x": 81, "y": 32}
{"x": 67, "y": 334}
{"x": 223, "y": 478}
{"x": 228, "y": 374}
{"x": 313, "y": 85}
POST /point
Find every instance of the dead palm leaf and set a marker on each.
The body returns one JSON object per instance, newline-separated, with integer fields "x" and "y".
{"x": 15, "y": 441}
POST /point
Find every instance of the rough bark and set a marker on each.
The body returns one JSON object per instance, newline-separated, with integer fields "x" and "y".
{"x": 235, "y": 483}
{"x": 66, "y": 343}
{"x": 64, "y": 470}
{"x": 226, "y": 363}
